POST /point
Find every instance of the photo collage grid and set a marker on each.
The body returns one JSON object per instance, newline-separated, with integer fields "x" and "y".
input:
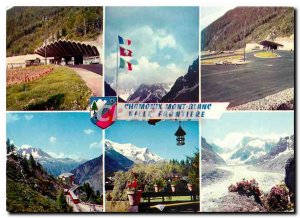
{"x": 58, "y": 161}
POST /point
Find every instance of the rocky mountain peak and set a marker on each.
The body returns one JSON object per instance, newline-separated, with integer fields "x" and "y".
{"x": 185, "y": 88}
{"x": 148, "y": 93}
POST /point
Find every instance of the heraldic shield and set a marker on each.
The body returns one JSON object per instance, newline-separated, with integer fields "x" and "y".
{"x": 103, "y": 111}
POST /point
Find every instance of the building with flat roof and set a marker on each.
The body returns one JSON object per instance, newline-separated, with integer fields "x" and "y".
{"x": 69, "y": 52}
{"x": 22, "y": 61}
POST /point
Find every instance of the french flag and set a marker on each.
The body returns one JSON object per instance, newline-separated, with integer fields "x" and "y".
{"x": 123, "y": 41}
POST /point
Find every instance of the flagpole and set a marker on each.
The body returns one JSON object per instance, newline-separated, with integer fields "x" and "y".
{"x": 117, "y": 71}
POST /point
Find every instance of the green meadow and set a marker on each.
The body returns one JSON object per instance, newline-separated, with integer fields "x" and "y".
{"x": 62, "y": 89}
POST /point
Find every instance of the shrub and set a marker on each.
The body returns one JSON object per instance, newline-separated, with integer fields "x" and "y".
{"x": 247, "y": 188}
{"x": 160, "y": 182}
{"x": 278, "y": 198}
{"x": 175, "y": 182}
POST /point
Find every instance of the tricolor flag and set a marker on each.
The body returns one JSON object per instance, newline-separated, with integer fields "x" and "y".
{"x": 123, "y": 63}
{"x": 125, "y": 52}
{"x": 123, "y": 41}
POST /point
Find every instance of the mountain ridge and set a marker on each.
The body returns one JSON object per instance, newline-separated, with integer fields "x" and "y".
{"x": 257, "y": 23}
{"x": 25, "y": 27}
{"x": 133, "y": 153}
{"x": 185, "y": 88}
{"x": 54, "y": 166}
{"x": 90, "y": 172}
{"x": 148, "y": 93}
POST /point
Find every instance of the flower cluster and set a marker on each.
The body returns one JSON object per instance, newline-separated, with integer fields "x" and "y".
{"x": 278, "y": 198}
{"x": 248, "y": 188}
{"x": 134, "y": 184}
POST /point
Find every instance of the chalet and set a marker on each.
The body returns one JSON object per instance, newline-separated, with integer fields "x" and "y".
{"x": 67, "y": 178}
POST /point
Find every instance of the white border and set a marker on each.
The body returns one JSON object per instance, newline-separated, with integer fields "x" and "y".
{"x": 6, "y": 4}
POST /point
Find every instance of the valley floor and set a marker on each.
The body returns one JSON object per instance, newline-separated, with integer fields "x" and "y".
{"x": 212, "y": 192}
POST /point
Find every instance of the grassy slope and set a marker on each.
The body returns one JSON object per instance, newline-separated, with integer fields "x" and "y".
{"x": 22, "y": 198}
{"x": 227, "y": 32}
{"x": 29, "y": 188}
{"x": 26, "y": 29}
{"x": 62, "y": 89}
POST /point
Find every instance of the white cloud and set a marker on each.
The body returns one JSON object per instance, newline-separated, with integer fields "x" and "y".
{"x": 57, "y": 155}
{"x": 150, "y": 41}
{"x": 52, "y": 140}
{"x": 146, "y": 49}
{"x": 275, "y": 136}
{"x": 148, "y": 72}
{"x": 88, "y": 131}
{"x": 231, "y": 140}
{"x": 168, "y": 57}
{"x": 10, "y": 117}
{"x": 28, "y": 117}
{"x": 63, "y": 155}
{"x": 167, "y": 41}
{"x": 26, "y": 146}
{"x": 96, "y": 145}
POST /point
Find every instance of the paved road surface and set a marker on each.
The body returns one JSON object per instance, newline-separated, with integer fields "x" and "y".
{"x": 82, "y": 206}
{"x": 90, "y": 207}
{"x": 96, "y": 68}
{"x": 93, "y": 80}
{"x": 70, "y": 202}
{"x": 244, "y": 83}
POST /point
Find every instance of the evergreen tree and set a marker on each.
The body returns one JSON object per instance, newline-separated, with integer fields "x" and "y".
{"x": 194, "y": 171}
{"x": 61, "y": 200}
{"x": 32, "y": 163}
{"x": 94, "y": 107}
{"x": 88, "y": 190}
{"x": 98, "y": 193}
{"x": 8, "y": 148}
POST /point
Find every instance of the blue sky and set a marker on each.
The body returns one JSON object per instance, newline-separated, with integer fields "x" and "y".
{"x": 160, "y": 139}
{"x": 59, "y": 134}
{"x": 164, "y": 42}
{"x": 231, "y": 127}
{"x": 209, "y": 14}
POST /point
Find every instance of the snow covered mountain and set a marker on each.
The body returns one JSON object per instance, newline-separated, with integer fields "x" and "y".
{"x": 115, "y": 161}
{"x": 270, "y": 154}
{"x": 124, "y": 93}
{"x": 250, "y": 148}
{"x": 277, "y": 157}
{"x": 37, "y": 153}
{"x": 133, "y": 153}
{"x": 185, "y": 88}
{"x": 54, "y": 166}
{"x": 148, "y": 93}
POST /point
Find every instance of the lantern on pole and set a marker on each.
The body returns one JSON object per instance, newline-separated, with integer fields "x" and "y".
{"x": 180, "y": 133}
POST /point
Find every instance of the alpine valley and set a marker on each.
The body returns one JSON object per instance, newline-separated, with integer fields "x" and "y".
{"x": 54, "y": 166}
{"x": 84, "y": 171}
{"x": 264, "y": 159}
